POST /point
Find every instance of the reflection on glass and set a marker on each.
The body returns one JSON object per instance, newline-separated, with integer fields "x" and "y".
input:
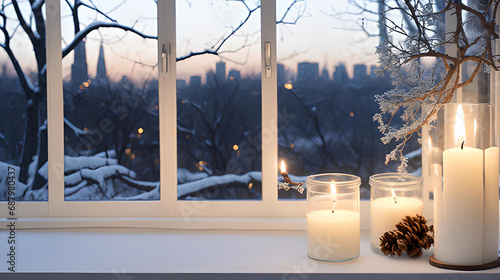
{"x": 218, "y": 100}
{"x": 23, "y": 106}
{"x": 326, "y": 87}
{"x": 111, "y": 107}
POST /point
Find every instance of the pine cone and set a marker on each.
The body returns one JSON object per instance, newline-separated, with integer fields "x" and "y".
{"x": 411, "y": 235}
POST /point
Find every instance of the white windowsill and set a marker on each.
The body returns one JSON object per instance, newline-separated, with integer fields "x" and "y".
{"x": 101, "y": 250}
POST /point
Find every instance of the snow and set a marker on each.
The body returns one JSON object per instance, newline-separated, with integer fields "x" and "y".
{"x": 76, "y": 163}
{"x": 184, "y": 176}
{"x": 191, "y": 187}
{"x": 99, "y": 175}
{"x": 20, "y": 187}
{"x": 152, "y": 195}
{"x": 2, "y": 137}
{"x": 77, "y": 131}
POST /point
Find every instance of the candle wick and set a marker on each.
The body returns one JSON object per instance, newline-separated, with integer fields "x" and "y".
{"x": 333, "y": 211}
{"x": 463, "y": 142}
{"x": 395, "y": 200}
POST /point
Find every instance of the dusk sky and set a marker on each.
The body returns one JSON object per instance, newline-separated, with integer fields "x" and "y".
{"x": 317, "y": 37}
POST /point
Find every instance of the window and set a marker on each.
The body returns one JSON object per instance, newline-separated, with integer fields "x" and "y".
{"x": 23, "y": 113}
{"x": 184, "y": 108}
{"x": 111, "y": 125}
{"x": 218, "y": 100}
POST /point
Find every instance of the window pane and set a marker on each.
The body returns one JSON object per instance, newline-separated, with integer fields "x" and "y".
{"x": 218, "y": 100}
{"x": 111, "y": 102}
{"x": 326, "y": 88}
{"x": 23, "y": 110}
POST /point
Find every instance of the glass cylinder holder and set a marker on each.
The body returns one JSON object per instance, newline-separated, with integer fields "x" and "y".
{"x": 393, "y": 196}
{"x": 466, "y": 218}
{"x": 333, "y": 224}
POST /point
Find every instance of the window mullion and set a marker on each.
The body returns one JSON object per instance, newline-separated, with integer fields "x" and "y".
{"x": 269, "y": 104}
{"x": 168, "y": 104}
{"x": 55, "y": 118}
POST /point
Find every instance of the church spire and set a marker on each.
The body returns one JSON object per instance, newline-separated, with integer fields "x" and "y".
{"x": 79, "y": 72}
{"x": 101, "y": 75}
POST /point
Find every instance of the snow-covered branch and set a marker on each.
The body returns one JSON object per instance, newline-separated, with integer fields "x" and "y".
{"x": 421, "y": 90}
{"x": 99, "y": 24}
{"x": 217, "y": 181}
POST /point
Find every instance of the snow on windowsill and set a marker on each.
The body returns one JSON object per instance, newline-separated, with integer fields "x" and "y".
{"x": 105, "y": 250}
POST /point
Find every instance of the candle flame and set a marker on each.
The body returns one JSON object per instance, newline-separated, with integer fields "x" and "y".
{"x": 333, "y": 191}
{"x": 394, "y": 196}
{"x": 459, "y": 126}
{"x": 283, "y": 167}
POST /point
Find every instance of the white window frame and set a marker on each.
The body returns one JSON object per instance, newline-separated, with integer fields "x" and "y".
{"x": 168, "y": 206}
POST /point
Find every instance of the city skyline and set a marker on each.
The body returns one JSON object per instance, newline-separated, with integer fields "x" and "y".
{"x": 310, "y": 72}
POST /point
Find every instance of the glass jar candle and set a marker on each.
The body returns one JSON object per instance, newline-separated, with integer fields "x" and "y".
{"x": 333, "y": 227}
{"x": 392, "y": 197}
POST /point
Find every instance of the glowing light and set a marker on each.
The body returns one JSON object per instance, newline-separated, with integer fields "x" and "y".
{"x": 288, "y": 86}
{"x": 292, "y": 145}
{"x": 85, "y": 129}
{"x": 459, "y": 126}
{"x": 333, "y": 191}
{"x": 140, "y": 130}
{"x": 351, "y": 114}
{"x": 250, "y": 185}
{"x": 187, "y": 136}
{"x": 128, "y": 151}
{"x": 86, "y": 84}
{"x": 235, "y": 147}
{"x": 283, "y": 167}
{"x": 132, "y": 156}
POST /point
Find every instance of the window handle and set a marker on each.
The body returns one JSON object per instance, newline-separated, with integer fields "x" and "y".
{"x": 164, "y": 58}
{"x": 267, "y": 48}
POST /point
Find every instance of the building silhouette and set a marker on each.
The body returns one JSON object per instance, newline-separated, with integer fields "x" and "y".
{"x": 210, "y": 78}
{"x": 195, "y": 81}
{"x": 101, "y": 77}
{"x": 340, "y": 74}
{"x": 234, "y": 76}
{"x": 359, "y": 73}
{"x": 181, "y": 83}
{"x": 307, "y": 72}
{"x": 325, "y": 75}
{"x": 220, "y": 72}
{"x": 280, "y": 74}
{"x": 79, "y": 72}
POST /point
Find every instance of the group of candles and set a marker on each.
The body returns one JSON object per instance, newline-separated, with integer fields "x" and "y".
{"x": 333, "y": 218}
{"x": 466, "y": 205}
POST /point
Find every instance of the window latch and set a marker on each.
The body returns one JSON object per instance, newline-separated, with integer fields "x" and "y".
{"x": 267, "y": 48}
{"x": 164, "y": 58}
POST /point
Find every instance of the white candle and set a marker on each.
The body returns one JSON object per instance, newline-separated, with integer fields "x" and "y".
{"x": 386, "y": 212}
{"x": 461, "y": 223}
{"x": 491, "y": 183}
{"x": 333, "y": 236}
{"x": 465, "y": 225}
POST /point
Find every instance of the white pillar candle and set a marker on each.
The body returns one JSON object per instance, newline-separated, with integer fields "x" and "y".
{"x": 491, "y": 166}
{"x": 461, "y": 223}
{"x": 333, "y": 236}
{"x": 386, "y": 212}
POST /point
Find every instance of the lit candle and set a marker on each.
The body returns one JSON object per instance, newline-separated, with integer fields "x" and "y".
{"x": 461, "y": 221}
{"x": 333, "y": 234}
{"x": 386, "y": 212}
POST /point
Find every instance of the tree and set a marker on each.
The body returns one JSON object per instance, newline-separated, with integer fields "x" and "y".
{"x": 420, "y": 92}
{"x": 28, "y": 17}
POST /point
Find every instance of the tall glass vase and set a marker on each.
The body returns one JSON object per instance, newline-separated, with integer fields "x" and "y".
{"x": 461, "y": 169}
